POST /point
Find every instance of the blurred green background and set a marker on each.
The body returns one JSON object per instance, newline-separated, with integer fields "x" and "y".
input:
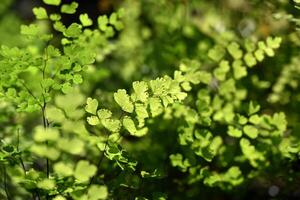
{"x": 158, "y": 36}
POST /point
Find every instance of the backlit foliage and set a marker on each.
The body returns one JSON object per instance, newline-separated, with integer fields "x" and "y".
{"x": 198, "y": 102}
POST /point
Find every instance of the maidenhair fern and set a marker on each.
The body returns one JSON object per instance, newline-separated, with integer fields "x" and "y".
{"x": 196, "y": 102}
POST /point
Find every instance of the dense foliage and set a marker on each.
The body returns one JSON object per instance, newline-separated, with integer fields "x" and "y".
{"x": 157, "y": 100}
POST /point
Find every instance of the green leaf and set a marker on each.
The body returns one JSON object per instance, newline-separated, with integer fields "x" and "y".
{"x": 109, "y": 32}
{"x": 216, "y": 53}
{"x": 93, "y": 120}
{"x": 249, "y": 45}
{"x": 73, "y": 146}
{"x": 120, "y": 156}
{"x": 186, "y": 86}
{"x": 141, "y": 132}
{"x": 73, "y": 31}
{"x": 59, "y": 197}
{"x": 44, "y": 151}
{"x": 69, "y": 8}
{"x": 232, "y": 177}
{"x": 140, "y": 90}
{"x": 253, "y": 108}
{"x": 177, "y": 160}
{"x": 66, "y": 88}
{"x": 52, "y": 2}
{"x": 234, "y": 132}
{"x": 104, "y": 114}
{"x": 255, "y": 119}
{"x": 268, "y": 50}
{"x": 274, "y": 43}
{"x": 141, "y": 111}
{"x": 101, "y": 146}
{"x": 156, "y": 107}
{"x": 102, "y": 22}
{"x": 47, "y": 83}
{"x": 91, "y": 105}
{"x": 113, "y": 125}
{"x": 53, "y": 52}
{"x": 113, "y": 20}
{"x": 221, "y": 71}
{"x": 251, "y": 131}
{"x": 11, "y": 92}
{"x": 84, "y": 171}
{"x": 77, "y": 79}
{"x": 206, "y": 152}
{"x": 227, "y": 86}
{"x": 239, "y": 71}
{"x": 259, "y": 55}
{"x": 242, "y": 120}
{"x": 234, "y": 50}
{"x": 129, "y": 125}
{"x": 279, "y": 120}
{"x": 119, "y": 25}
{"x": 41, "y": 134}
{"x": 155, "y": 174}
{"x": 250, "y": 152}
{"x": 123, "y": 100}
{"x": 85, "y": 20}
{"x": 215, "y": 144}
{"x": 46, "y": 184}
{"x": 63, "y": 169}
{"x": 55, "y": 17}
{"x": 158, "y": 86}
{"x": 40, "y": 13}
{"x": 32, "y": 30}
{"x": 59, "y": 27}
{"x": 250, "y": 60}
{"x": 97, "y": 192}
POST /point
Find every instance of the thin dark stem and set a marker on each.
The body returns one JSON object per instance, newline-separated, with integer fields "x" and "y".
{"x": 48, "y": 168}
{"x": 100, "y": 160}
{"x": 21, "y": 160}
{"x": 102, "y": 155}
{"x": 45, "y": 124}
{"x": 20, "y": 157}
{"x": 45, "y": 62}
{"x": 31, "y": 93}
{"x": 22, "y": 164}
{"x": 45, "y": 121}
{"x": 18, "y": 139}
{"x": 103, "y": 152}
